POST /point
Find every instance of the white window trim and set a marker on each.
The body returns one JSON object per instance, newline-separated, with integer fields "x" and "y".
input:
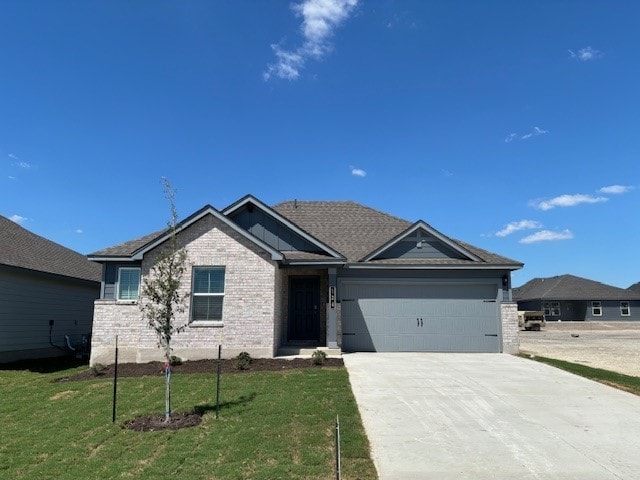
{"x": 207, "y": 323}
{"x": 128, "y": 300}
{"x": 551, "y": 307}
{"x": 594, "y": 307}
{"x": 628, "y": 308}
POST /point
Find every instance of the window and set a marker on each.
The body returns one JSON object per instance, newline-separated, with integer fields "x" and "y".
{"x": 596, "y": 309}
{"x": 552, "y": 309}
{"x": 625, "y": 311}
{"x": 128, "y": 283}
{"x": 207, "y": 294}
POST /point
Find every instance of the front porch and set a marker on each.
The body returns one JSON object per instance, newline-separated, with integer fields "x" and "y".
{"x": 308, "y": 311}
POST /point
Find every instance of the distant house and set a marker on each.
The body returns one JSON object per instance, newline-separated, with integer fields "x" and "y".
{"x": 46, "y": 293}
{"x": 571, "y": 298}
{"x": 310, "y": 274}
{"x": 635, "y": 287}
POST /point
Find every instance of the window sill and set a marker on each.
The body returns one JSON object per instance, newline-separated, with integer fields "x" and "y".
{"x": 203, "y": 324}
{"x": 126, "y": 302}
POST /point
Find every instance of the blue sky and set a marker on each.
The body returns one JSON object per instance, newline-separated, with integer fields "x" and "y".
{"x": 510, "y": 125}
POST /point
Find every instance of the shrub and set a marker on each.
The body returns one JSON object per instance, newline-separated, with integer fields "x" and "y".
{"x": 173, "y": 361}
{"x": 97, "y": 369}
{"x": 318, "y": 357}
{"x": 243, "y": 361}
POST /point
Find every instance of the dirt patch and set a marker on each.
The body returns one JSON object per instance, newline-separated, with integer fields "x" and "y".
{"x": 153, "y": 423}
{"x": 201, "y": 366}
{"x": 611, "y": 346}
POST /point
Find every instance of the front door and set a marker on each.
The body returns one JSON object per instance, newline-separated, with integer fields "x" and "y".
{"x": 304, "y": 309}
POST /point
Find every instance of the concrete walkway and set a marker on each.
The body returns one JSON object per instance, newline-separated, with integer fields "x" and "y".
{"x": 491, "y": 416}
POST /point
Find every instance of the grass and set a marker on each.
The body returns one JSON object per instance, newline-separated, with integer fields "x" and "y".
{"x": 627, "y": 383}
{"x": 272, "y": 425}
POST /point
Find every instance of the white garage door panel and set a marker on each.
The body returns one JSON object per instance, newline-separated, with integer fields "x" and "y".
{"x": 420, "y": 317}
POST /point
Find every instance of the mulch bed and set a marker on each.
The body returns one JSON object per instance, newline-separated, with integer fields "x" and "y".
{"x": 201, "y": 366}
{"x": 153, "y": 423}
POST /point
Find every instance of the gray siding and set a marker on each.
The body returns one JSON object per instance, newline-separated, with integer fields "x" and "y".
{"x": 580, "y": 310}
{"x": 29, "y": 300}
{"x": 420, "y": 245}
{"x": 272, "y": 232}
{"x": 110, "y": 278}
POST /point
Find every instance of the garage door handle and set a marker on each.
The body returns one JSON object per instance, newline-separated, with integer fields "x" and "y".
{"x": 343, "y": 333}
{"x": 490, "y": 334}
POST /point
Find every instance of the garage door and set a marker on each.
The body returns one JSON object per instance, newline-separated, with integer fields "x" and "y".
{"x": 419, "y": 317}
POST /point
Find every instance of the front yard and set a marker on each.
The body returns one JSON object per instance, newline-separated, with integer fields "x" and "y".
{"x": 272, "y": 425}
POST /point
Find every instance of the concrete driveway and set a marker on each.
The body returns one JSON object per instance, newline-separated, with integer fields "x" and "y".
{"x": 491, "y": 416}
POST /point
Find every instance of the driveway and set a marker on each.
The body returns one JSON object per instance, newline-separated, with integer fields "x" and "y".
{"x": 491, "y": 416}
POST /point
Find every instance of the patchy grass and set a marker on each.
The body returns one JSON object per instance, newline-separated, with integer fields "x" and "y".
{"x": 272, "y": 425}
{"x": 620, "y": 381}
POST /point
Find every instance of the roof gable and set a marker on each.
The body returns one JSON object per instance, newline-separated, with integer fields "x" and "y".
{"x": 359, "y": 233}
{"x": 23, "y": 249}
{"x": 135, "y": 249}
{"x": 570, "y": 287}
{"x": 421, "y": 241}
{"x": 274, "y": 229}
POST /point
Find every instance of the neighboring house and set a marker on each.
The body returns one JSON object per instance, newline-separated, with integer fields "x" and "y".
{"x": 314, "y": 274}
{"x": 635, "y": 287}
{"x": 570, "y": 298}
{"x": 46, "y": 293}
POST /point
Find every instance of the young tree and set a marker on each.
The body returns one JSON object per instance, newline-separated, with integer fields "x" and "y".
{"x": 161, "y": 297}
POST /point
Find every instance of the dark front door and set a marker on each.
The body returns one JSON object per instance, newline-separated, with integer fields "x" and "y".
{"x": 304, "y": 309}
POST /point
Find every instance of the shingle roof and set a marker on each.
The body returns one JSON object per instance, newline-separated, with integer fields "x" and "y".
{"x": 635, "y": 287}
{"x": 351, "y": 229}
{"x": 570, "y": 287}
{"x": 129, "y": 247}
{"x": 23, "y": 249}
{"x": 356, "y": 230}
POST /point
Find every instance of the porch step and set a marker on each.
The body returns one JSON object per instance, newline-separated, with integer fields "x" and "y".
{"x": 306, "y": 352}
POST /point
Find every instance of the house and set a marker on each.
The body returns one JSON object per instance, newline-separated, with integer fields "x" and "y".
{"x": 635, "y": 287}
{"x": 46, "y": 294}
{"x": 311, "y": 274}
{"x": 571, "y": 298}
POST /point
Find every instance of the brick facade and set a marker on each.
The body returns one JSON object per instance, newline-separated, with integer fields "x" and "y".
{"x": 510, "y": 329}
{"x": 250, "y": 304}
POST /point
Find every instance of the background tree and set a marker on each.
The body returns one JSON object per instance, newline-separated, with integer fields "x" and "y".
{"x": 161, "y": 297}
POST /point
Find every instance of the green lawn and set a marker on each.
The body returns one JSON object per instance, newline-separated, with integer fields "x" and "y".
{"x": 272, "y": 425}
{"x": 618, "y": 380}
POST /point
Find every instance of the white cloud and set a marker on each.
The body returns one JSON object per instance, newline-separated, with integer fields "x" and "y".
{"x": 616, "y": 189}
{"x": 18, "y": 219}
{"x": 585, "y": 54}
{"x": 79, "y": 231}
{"x": 319, "y": 20}
{"x": 517, "y": 226}
{"x": 357, "y": 172}
{"x": 19, "y": 163}
{"x": 10, "y": 177}
{"x": 446, "y": 173}
{"x": 566, "y": 201}
{"x": 534, "y": 133}
{"x": 547, "y": 236}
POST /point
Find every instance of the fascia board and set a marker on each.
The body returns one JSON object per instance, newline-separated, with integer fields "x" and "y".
{"x": 369, "y": 266}
{"x": 424, "y": 226}
{"x": 270, "y": 211}
{"x": 209, "y": 210}
{"x": 110, "y": 259}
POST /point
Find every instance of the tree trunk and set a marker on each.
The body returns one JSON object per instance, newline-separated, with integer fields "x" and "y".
{"x": 167, "y": 393}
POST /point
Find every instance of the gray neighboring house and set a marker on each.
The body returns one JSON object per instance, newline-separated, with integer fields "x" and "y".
{"x": 571, "y": 298}
{"x": 635, "y": 287}
{"x": 42, "y": 282}
{"x": 311, "y": 274}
